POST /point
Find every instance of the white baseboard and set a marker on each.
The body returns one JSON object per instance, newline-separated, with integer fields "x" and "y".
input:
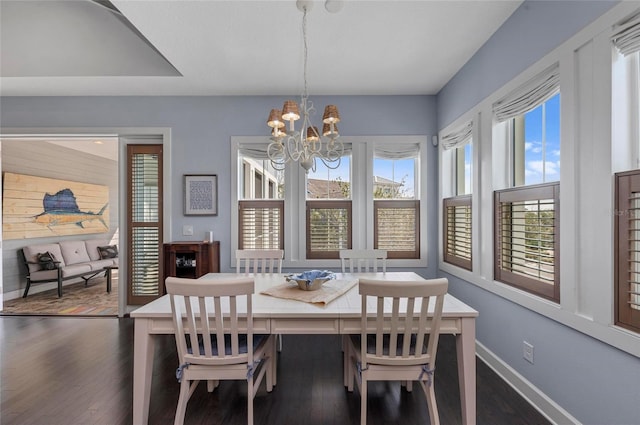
{"x": 539, "y": 400}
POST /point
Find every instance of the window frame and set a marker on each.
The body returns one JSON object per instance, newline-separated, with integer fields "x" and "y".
{"x": 362, "y": 200}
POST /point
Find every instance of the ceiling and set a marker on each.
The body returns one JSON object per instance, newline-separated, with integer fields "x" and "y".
{"x": 222, "y": 47}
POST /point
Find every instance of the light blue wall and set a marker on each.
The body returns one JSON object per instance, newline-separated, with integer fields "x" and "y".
{"x": 201, "y": 128}
{"x": 532, "y": 31}
{"x": 594, "y": 382}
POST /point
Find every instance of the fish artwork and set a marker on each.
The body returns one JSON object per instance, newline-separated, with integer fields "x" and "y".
{"x": 62, "y": 208}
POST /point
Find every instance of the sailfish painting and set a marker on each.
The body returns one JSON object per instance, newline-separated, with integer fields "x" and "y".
{"x": 62, "y": 208}
{"x": 35, "y": 207}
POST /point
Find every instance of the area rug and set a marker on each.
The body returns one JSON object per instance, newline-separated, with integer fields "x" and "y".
{"x": 76, "y": 300}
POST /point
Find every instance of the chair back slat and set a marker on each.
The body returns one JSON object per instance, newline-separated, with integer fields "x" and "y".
{"x": 264, "y": 261}
{"x": 363, "y": 260}
{"x": 401, "y": 341}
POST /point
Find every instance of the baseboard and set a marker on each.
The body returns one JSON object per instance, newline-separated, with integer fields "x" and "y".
{"x": 539, "y": 400}
{"x": 37, "y": 288}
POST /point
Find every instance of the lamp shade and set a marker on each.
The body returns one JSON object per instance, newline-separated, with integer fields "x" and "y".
{"x": 331, "y": 114}
{"x": 290, "y": 111}
{"x": 312, "y": 134}
{"x": 275, "y": 119}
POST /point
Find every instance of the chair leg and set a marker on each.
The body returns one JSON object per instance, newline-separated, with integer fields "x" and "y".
{"x": 182, "y": 402}
{"x": 363, "y": 402}
{"x": 430, "y": 395}
{"x": 26, "y": 290}
{"x": 250, "y": 396}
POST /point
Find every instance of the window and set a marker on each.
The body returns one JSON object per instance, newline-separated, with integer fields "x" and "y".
{"x": 371, "y": 200}
{"x": 144, "y": 204}
{"x": 526, "y": 224}
{"x": 536, "y": 144}
{"x": 626, "y": 126}
{"x": 260, "y": 218}
{"x": 396, "y": 209}
{"x": 328, "y": 209}
{"x": 457, "y": 209}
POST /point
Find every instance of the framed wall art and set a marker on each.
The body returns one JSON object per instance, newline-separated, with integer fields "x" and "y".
{"x": 200, "y": 194}
{"x": 41, "y": 207}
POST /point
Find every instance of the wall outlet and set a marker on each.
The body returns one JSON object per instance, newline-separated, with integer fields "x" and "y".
{"x": 187, "y": 230}
{"x": 527, "y": 351}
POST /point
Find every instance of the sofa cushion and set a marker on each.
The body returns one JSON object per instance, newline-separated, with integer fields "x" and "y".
{"x": 75, "y": 269}
{"x": 110, "y": 251}
{"x": 47, "y": 261}
{"x": 31, "y": 254}
{"x": 44, "y": 275}
{"x": 101, "y": 264}
{"x": 74, "y": 252}
{"x": 92, "y": 247}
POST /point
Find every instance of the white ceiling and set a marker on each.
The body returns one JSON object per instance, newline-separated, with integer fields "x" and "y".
{"x": 223, "y": 47}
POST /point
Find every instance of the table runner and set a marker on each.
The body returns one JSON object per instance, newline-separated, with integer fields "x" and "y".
{"x": 331, "y": 290}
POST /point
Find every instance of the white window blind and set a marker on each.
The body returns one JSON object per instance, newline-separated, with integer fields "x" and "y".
{"x": 531, "y": 94}
{"x": 627, "y": 35}
{"x": 458, "y": 137}
{"x": 397, "y": 151}
{"x": 261, "y": 224}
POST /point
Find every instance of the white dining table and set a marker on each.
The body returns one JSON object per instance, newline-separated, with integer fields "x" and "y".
{"x": 285, "y": 316}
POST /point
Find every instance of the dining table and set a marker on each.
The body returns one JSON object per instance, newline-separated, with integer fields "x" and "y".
{"x": 281, "y": 316}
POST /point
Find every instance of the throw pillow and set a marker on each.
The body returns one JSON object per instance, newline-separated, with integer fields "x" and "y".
{"x": 110, "y": 251}
{"x": 47, "y": 261}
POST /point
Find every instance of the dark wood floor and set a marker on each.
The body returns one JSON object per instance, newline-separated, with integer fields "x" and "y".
{"x": 67, "y": 371}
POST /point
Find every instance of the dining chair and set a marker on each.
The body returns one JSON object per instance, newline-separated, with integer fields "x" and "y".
{"x": 363, "y": 260}
{"x": 209, "y": 320}
{"x": 265, "y": 261}
{"x": 400, "y": 342}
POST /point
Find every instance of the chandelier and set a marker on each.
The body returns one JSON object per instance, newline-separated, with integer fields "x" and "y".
{"x": 308, "y": 144}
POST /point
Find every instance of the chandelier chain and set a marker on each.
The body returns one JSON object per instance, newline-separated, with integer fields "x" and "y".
{"x": 305, "y": 93}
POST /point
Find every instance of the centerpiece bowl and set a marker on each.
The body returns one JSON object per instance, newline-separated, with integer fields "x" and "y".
{"x": 311, "y": 280}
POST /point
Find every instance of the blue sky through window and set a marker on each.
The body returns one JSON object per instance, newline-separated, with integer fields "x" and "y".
{"x": 542, "y": 142}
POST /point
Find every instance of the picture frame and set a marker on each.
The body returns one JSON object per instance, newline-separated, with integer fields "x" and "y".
{"x": 200, "y": 194}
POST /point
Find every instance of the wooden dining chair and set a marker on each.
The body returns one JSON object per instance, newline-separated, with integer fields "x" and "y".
{"x": 363, "y": 260}
{"x": 265, "y": 261}
{"x": 209, "y": 320}
{"x": 400, "y": 342}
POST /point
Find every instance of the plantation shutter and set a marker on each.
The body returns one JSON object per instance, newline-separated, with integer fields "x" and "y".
{"x": 457, "y": 231}
{"x": 144, "y": 211}
{"x": 531, "y": 94}
{"x": 261, "y": 224}
{"x": 527, "y": 239}
{"x": 397, "y": 227}
{"x": 627, "y": 250}
{"x": 328, "y": 228}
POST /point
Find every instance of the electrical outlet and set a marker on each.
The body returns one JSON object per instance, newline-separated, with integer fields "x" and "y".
{"x": 527, "y": 351}
{"x": 187, "y": 230}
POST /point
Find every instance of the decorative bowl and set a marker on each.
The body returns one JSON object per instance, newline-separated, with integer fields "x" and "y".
{"x": 311, "y": 280}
